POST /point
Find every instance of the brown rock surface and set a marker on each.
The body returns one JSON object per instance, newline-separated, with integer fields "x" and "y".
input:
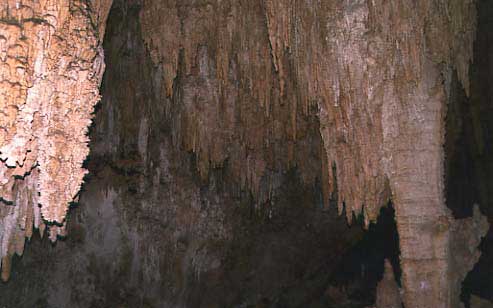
{"x": 379, "y": 73}
{"x": 244, "y": 82}
{"x": 388, "y": 294}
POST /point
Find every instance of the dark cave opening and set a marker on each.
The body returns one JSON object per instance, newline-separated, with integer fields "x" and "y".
{"x": 469, "y": 150}
{"x": 362, "y": 266}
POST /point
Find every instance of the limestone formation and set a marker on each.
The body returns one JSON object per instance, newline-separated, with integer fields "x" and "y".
{"x": 388, "y": 293}
{"x": 465, "y": 236}
{"x": 229, "y": 106}
{"x": 245, "y": 82}
{"x": 51, "y": 65}
{"x": 379, "y": 74}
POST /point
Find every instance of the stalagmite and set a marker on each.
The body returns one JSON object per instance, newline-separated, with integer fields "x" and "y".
{"x": 388, "y": 293}
{"x": 465, "y": 236}
{"x": 379, "y": 73}
{"x": 245, "y": 84}
{"x": 381, "y": 79}
{"x": 51, "y": 66}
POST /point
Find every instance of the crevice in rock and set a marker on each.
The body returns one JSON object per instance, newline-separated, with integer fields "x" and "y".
{"x": 469, "y": 150}
{"x": 362, "y": 267}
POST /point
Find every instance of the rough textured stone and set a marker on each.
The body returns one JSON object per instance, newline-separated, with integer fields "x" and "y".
{"x": 469, "y": 149}
{"x": 379, "y": 73}
{"x": 149, "y": 233}
{"x": 244, "y": 84}
{"x": 51, "y": 65}
{"x": 229, "y": 105}
{"x": 465, "y": 235}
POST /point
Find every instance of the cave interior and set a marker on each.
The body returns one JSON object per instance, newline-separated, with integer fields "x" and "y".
{"x": 197, "y": 196}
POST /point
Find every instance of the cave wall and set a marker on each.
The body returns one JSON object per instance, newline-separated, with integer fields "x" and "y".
{"x": 469, "y": 148}
{"x": 350, "y": 94}
{"x": 380, "y": 74}
{"x": 151, "y": 232}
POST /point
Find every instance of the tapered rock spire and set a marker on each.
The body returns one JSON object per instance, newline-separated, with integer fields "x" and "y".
{"x": 388, "y": 293}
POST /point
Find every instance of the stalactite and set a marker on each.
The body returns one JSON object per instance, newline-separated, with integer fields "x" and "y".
{"x": 233, "y": 103}
{"x": 243, "y": 80}
{"x": 378, "y": 71}
{"x": 50, "y": 70}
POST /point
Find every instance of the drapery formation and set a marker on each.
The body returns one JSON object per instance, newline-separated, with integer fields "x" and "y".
{"x": 51, "y": 65}
{"x": 379, "y": 73}
{"x": 376, "y": 73}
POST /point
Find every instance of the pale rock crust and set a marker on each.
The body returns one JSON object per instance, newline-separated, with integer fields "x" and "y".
{"x": 51, "y": 65}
